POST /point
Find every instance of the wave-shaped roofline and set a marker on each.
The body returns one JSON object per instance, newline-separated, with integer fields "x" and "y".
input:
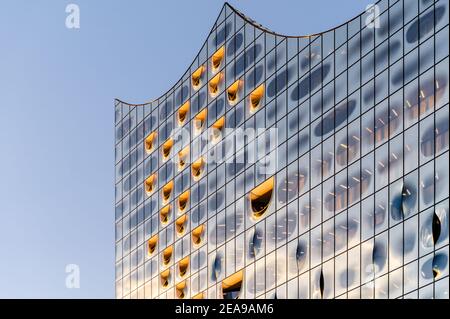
{"x": 254, "y": 24}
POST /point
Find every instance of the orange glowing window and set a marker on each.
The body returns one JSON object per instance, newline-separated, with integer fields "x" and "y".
{"x": 167, "y": 255}
{"x": 164, "y": 214}
{"x": 197, "y": 235}
{"x": 183, "y": 112}
{"x": 217, "y": 58}
{"x": 197, "y": 77}
{"x": 214, "y": 84}
{"x": 149, "y": 184}
{"x": 166, "y": 148}
{"x": 183, "y": 200}
{"x": 183, "y": 266}
{"x": 260, "y": 197}
{"x": 165, "y": 278}
{"x": 233, "y": 92}
{"x": 217, "y": 129}
{"x": 149, "y": 142}
{"x": 199, "y": 121}
{"x": 180, "y": 224}
{"x": 166, "y": 191}
{"x": 231, "y": 286}
{"x": 197, "y": 168}
{"x": 256, "y": 97}
{"x": 180, "y": 290}
{"x": 152, "y": 242}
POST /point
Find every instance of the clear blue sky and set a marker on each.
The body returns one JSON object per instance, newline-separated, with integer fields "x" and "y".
{"x": 56, "y": 119}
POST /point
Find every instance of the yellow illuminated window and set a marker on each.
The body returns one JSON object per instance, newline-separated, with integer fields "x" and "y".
{"x": 180, "y": 224}
{"x": 164, "y": 214}
{"x": 260, "y": 197}
{"x": 149, "y": 184}
{"x": 149, "y": 141}
{"x": 199, "y": 121}
{"x": 167, "y": 255}
{"x": 233, "y": 92}
{"x": 216, "y": 59}
{"x": 166, "y": 148}
{"x": 183, "y": 200}
{"x": 217, "y": 129}
{"x": 196, "y": 77}
{"x": 183, "y": 112}
{"x": 179, "y": 288}
{"x": 197, "y": 234}
{"x": 166, "y": 191}
{"x": 231, "y": 286}
{"x": 152, "y": 242}
{"x": 256, "y": 97}
{"x": 183, "y": 266}
{"x": 165, "y": 278}
{"x": 197, "y": 168}
{"x": 214, "y": 84}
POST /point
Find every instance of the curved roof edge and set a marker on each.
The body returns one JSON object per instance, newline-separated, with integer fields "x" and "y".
{"x": 254, "y": 24}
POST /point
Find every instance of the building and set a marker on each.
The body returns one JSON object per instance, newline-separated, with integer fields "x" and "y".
{"x": 356, "y": 205}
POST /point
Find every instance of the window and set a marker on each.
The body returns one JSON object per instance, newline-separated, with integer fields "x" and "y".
{"x": 260, "y": 197}
{"x": 198, "y": 234}
{"x": 197, "y": 77}
{"x": 166, "y": 191}
{"x": 216, "y": 59}
{"x": 231, "y": 286}
{"x": 256, "y": 97}
{"x": 233, "y": 91}
{"x": 149, "y": 141}
{"x": 183, "y": 113}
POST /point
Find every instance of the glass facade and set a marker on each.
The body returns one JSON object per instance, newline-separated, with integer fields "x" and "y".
{"x": 357, "y": 205}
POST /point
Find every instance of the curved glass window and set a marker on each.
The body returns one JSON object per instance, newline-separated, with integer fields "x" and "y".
{"x": 197, "y": 77}
{"x": 403, "y": 202}
{"x": 335, "y": 118}
{"x": 183, "y": 201}
{"x": 198, "y": 234}
{"x": 231, "y": 286}
{"x": 255, "y": 98}
{"x": 183, "y": 113}
{"x": 435, "y": 137}
{"x": 149, "y": 141}
{"x": 165, "y": 278}
{"x": 181, "y": 224}
{"x": 199, "y": 121}
{"x": 216, "y": 59}
{"x": 197, "y": 169}
{"x": 152, "y": 243}
{"x": 214, "y": 84}
{"x": 233, "y": 92}
{"x": 166, "y": 191}
{"x": 167, "y": 255}
{"x": 347, "y": 193}
{"x": 149, "y": 184}
{"x": 166, "y": 148}
{"x": 348, "y": 149}
{"x": 183, "y": 266}
{"x": 164, "y": 214}
{"x": 180, "y": 290}
{"x": 261, "y": 196}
